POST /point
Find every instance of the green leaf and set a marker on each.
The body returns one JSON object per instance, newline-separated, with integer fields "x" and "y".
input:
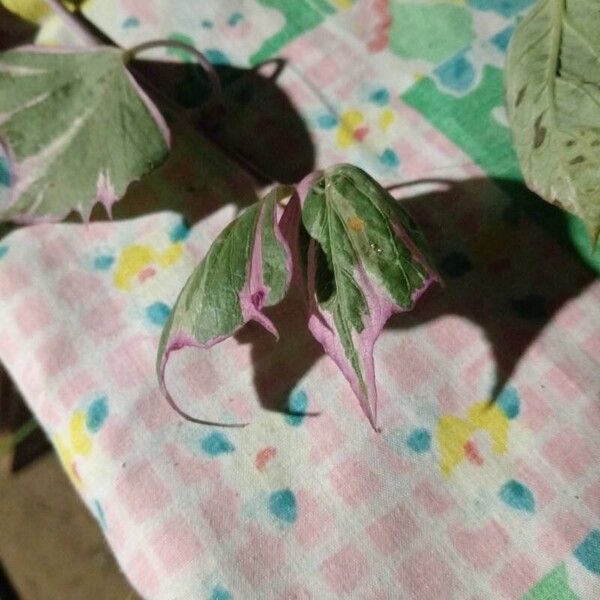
{"x": 553, "y": 100}
{"x": 365, "y": 261}
{"x": 247, "y": 268}
{"x": 77, "y": 130}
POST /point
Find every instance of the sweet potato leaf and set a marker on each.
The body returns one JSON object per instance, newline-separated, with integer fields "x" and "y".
{"x": 248, "y": 267}
{"x": 553, "y": 100}
{"x": 365, "y": 260}
{"x": 76, "y": 128}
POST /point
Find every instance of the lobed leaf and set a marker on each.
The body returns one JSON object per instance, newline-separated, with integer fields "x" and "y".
{"x": 365, "y": 260}
{"x": 77, "y": 130}
{"x": 553, "y": 101}
{"x": 247, "y": 268}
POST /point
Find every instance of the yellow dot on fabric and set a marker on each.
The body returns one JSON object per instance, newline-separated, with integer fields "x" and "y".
{"x": 343, "y": 3}
{"x": 30, "y": 10}
{"x": 349, "y": 121}
{"x": 132, "y": 260}
{"x": 171, "y": 255}
{"x": 80, "y": 439}
{"x": 386, "y": 118}
{"x": 65, "y": 454}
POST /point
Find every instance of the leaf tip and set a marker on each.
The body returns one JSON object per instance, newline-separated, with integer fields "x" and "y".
{"x": 173, "y": 344}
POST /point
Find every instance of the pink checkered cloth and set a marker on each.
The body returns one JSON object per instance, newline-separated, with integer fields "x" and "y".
{"x": 455, "y": 498}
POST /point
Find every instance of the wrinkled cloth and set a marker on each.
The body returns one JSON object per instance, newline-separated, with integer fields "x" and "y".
{"x": 484, "y": 482}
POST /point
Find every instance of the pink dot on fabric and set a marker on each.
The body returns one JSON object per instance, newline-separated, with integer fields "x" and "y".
{"x": 481, "y": 547}
{"x": 201, "y": 378}
{"x": 80, "y": 289}
{"x": 561, "y": 535}
{"x": 517, "y": 577}
{"x": 394, "y": 530}
{"x": 55, "y": 355}
{"x": 13, "y": 279}
{"x": 568, "y": 452}
{"x": 32, "y": 315}
{"x": 104, "y": 319}
{"x": 260, "y": 556}
{"x": 115, "y": 437}
{"x": 132, "y": 361}
{"x": 591, "y": 497}
{"x": 434, "y": 501}
{"x": 175, "y": 545}
{"x": 409, "y": 365}
{"x": 426, "y": 576}
{"x": 141, "y": 492}
{"x": 264, "y": 456}
{"x": 75, "y": 388}
{"x": 143, "y": 575}
{"x": 221, "y": 511}
{"x": 55, "y": 252}
{"x": 325, "y": 435}
{"x": 313, "y": 520}
{"x": 295, "y": 593}
{"x": 536, "y": 411}
{"x": 146, "y": 273}
{"x": 354, "y": 481}
{"x": 453, "y": 335}
{"x": 345, "y": 569}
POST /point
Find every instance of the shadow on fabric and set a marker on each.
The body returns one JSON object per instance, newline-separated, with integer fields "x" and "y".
{"x": 501, "y": 272}
{"x": 219, "y": 155}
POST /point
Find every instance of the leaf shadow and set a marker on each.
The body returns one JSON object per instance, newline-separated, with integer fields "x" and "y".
{"x": 218, "y": 155}
{"x": 488, "y": 252}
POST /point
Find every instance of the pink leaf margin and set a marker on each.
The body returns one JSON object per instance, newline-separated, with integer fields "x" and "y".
{"x": 252, "y": 296}
{"x": 380, "y": 309}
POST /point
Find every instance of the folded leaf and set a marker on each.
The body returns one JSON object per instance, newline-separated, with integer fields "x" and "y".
{"x": 248, "y": 267}
{"x": 365, "y": 261}
{"x": 553, "y": 98}
{"x": 77, "y": 130}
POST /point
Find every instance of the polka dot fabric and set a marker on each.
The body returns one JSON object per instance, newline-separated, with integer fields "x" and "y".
{"x": 484, "y": 482}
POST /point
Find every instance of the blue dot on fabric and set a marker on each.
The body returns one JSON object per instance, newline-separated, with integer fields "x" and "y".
{"x": 282, "y": 505}
{"x": 216, "y": 57}
{"x": 96, "y": 414}
{"x": 220, "y": 593}
{"x": 389, "y": 158}
{"x": 158, "y": 313}
{"x": 296, "y": 406}
{"x": 588, "y": 552}
{"x": 380, "y": 97}
{"x": 4, "y": 172}
{"x": 235, "y": 18}
{"x": 457, "y": 73}
{"x": 206, "y": 24}
{"x": 103, "y": 262}
{"x": 518, "y": 496}
{"x": 419, "y": 440}
{"x": 130, "y": 22}
{"x": 508, "y": 401}
{"x": 216, "y": 443}
{"x": 506, "y": 8}
{"x": 327, "y": 121}
{"x": 3, "y": 250}
{"x": 456, "y": 264}
{"x": 180, "y": 232}
{"x": 500, "y": 40}
{"x": 100, "y": 515}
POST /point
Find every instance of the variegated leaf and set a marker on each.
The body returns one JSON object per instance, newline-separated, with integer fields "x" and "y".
{"x": 553, "y": 101}
{"x": 77, "y": 130}
{"x": 365, "y": 260}
{"x": 247, "y": 268}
